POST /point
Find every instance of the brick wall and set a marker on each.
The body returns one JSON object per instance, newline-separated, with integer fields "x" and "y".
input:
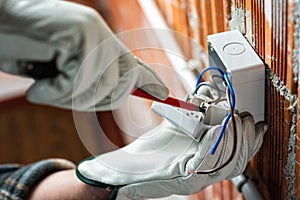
{"x": 272, "y": 27}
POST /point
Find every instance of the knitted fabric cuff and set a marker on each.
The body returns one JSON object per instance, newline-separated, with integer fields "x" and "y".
{"x": 17, "y": 181}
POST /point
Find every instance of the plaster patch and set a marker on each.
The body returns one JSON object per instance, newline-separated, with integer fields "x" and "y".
{"x": 281, "y": 88}
{"x": 237, "y": 22}
{"x": 290, "y": 168}
{"x": 237, "y": 19}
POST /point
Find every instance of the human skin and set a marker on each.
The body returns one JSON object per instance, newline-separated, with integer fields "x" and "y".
{"x": 65, "y": 185}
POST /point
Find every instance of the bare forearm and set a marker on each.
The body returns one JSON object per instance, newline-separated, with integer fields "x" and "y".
{"x": 65, "y": 185}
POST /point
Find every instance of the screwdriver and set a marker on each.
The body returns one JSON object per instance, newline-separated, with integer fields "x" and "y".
{"x": 169, "y": 100}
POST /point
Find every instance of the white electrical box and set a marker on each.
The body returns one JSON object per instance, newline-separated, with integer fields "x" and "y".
{"x": 231, "y": 52}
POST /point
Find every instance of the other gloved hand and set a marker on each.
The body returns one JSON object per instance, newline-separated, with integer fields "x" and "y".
{"x": 158, "y": 163}
{"x": 93, "y": 70}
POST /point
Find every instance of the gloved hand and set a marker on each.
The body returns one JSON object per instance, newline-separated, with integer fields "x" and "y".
{"x": 92, "y": 70}
{"x": 158, "y": 163}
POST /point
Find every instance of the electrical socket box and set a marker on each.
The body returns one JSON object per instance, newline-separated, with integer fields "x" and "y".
{"x": 231, "y": 52}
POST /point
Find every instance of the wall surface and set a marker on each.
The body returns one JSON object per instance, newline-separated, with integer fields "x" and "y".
{"x": 272, "y": 28}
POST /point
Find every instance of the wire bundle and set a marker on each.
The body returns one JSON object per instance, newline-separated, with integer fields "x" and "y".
{"x": 231, "y": 102}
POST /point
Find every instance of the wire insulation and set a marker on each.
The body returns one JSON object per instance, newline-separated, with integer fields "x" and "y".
{"x": 234, "y": 148}
{"x": 225, "y": 78}
{"x": 231, "y": 102}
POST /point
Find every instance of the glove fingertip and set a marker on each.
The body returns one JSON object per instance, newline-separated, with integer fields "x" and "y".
{"x": 261, "y": 127}
{"x": 245, "y": 115}
{"x": 163, "y": 94}
{"x": 159, "y": 91}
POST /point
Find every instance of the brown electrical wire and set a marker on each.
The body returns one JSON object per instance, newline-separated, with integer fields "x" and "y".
{"x": 234, "y": 148}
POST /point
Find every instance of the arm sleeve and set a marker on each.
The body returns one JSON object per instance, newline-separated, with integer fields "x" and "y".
{"x": 17, "y": 181}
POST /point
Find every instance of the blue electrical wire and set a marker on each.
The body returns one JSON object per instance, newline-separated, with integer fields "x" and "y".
{"x": 213, "y": 150}
{"x": 202, "y": 73}
{"x": 231, "y": 91}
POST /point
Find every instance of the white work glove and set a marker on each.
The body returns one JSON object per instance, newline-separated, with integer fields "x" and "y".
{"x": 86, "y": 67}
{"x": 158, "y": 163}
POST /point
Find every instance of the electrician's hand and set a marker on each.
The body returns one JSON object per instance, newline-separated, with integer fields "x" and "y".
{"x": 160, "y": 162}
{"x": 96, "y": 87}
{"x": 75, "y": 59}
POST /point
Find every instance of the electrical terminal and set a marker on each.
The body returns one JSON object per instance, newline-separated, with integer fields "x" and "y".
{"x": 192, "y": 123}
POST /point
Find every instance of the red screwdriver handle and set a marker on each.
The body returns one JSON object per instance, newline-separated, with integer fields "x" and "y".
{"x": 170, "y": 100}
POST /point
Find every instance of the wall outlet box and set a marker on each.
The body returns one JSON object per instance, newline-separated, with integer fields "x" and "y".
{"x": 231, "y": 52}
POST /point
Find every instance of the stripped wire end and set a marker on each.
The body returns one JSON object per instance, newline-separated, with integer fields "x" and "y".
{"x": 193, "y": 172}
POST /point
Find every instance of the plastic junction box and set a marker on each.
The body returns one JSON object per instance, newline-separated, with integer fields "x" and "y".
{"x": 231, "y": 52}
